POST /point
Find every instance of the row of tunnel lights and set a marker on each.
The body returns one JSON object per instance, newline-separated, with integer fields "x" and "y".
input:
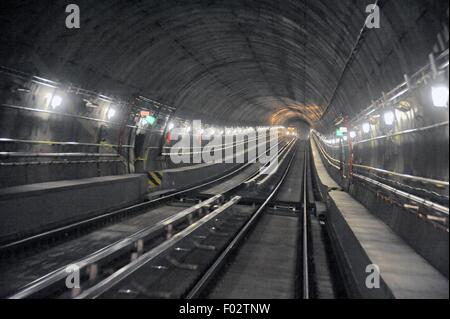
{"x": 56, "y": 101}
{"x": 439, "y": 95}
{"x": 227, "y": 131}
{"x": 440, "y": 98}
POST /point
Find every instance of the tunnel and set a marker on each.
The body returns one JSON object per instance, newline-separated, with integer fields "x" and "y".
{"x": 207, "y": 149}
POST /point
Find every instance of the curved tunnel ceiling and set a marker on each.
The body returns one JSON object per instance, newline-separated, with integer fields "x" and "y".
{"x": 240, "y": 61}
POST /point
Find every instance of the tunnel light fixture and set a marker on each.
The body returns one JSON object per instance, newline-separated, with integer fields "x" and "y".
{"x": 352, "y": 134}
{"x": 389, "y": 117}
{"x": 111, "y": 113}
{"x": 170, "y": 126}
{"x": 366, "y": 128}
{"x": 439, "y": 95}
{"x": 56, "y": 101}
{"x": 23, "y": 90}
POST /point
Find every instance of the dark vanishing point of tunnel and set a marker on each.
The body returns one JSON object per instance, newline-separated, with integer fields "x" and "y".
{"x": 131, "y": 120}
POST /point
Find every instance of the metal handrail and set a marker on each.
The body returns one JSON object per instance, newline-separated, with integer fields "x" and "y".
{"x": 59, "y": 162}
{"x": 37, "y": 110}
{"x": 416, "y": 178}
{"x": 408, "y": 131}
{"x": 27, "y": 154}
{"x": 439, "y": 208}
{"x": 413, "y": 130}
{"x": 411, "y": 177}
{"x": 13, "y": 140}
{"x": 442, "y": 209}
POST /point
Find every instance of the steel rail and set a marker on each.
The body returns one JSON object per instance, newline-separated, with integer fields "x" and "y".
{"x": 200, "y": 286}
{"x": 205, "y": 164}
{"x": 328, "y": 157}
{"x": 223, "y": 147}
{"x": 254, "y": 147}
{"x": 60, "y": 274}
{"x": 282, "y": 150}
{"x": 283, "y": 154}
{"x": 121, "y": 274}
{"x": 142, "y": 205}
{"x": 305, "y": 231}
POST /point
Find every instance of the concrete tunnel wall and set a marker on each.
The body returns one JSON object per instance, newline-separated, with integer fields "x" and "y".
{"x": 236, "y": 61}
{"x": 32, "y": 126}
{"x": 227, "y": 63}
{"x": 418, "y": 153}
{"x": 222, "y": 62}
{"x": 414, "y": 228}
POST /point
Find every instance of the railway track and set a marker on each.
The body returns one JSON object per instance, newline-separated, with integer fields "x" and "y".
{"x": 183, "y": 266}
{"x": 88, "y": 224}
{"x": 110, "y": 263}
{"x": 268, "y": 259}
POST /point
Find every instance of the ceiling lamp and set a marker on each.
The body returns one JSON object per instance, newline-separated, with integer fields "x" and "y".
{"x": 439, "y": 95}
{"x": 111, "y": 113}
{"x": 366, "y": 128}
{"x": 389, "y": 118}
